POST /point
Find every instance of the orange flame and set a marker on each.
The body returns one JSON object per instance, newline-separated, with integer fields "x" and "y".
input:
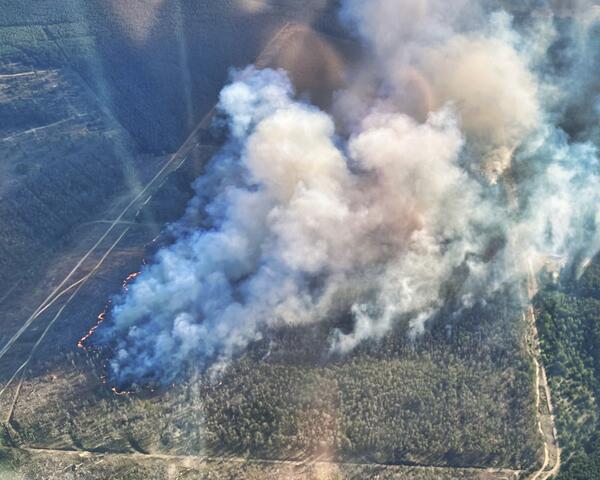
{"x": 102, "y": 316}
{"x": 100, "y": 319}
{"x": 123, "y": 393}
{"x": 129, "y": 279}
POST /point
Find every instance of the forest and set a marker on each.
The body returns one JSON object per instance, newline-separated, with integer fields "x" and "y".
{"x": 568, "y": 317}
{"x": 459, "y": 396}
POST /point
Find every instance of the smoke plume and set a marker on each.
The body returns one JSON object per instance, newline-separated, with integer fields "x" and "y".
{"x": 453, "y": 148}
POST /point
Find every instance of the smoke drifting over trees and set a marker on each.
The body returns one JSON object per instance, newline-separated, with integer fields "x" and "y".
{"x": 451, "y": 159}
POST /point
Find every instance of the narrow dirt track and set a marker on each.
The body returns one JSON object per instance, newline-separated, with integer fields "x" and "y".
{"x": 20, "y": 371}
{"x": 198, "y": 461}
{"x": 541, "y": 382}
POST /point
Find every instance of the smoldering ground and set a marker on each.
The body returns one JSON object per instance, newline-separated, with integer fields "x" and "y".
{"x": 455, "y": 146}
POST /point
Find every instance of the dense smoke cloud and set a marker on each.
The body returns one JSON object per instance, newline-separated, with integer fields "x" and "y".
{"x": 446, "y": 152}
{"x": 428, "y": 63}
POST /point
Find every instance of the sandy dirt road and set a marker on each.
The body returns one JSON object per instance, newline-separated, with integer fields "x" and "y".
{"x": 545, "y": 411}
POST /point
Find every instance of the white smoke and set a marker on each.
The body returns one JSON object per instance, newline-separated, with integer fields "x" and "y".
{"x": 447, "y": 152}
{"x": 426, "y": 63}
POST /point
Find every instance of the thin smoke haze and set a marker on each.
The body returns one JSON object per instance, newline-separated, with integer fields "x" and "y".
{"x": 452, "y": 148}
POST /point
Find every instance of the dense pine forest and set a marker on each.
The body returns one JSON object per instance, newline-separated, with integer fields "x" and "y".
{"x": 569, "y": 326}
